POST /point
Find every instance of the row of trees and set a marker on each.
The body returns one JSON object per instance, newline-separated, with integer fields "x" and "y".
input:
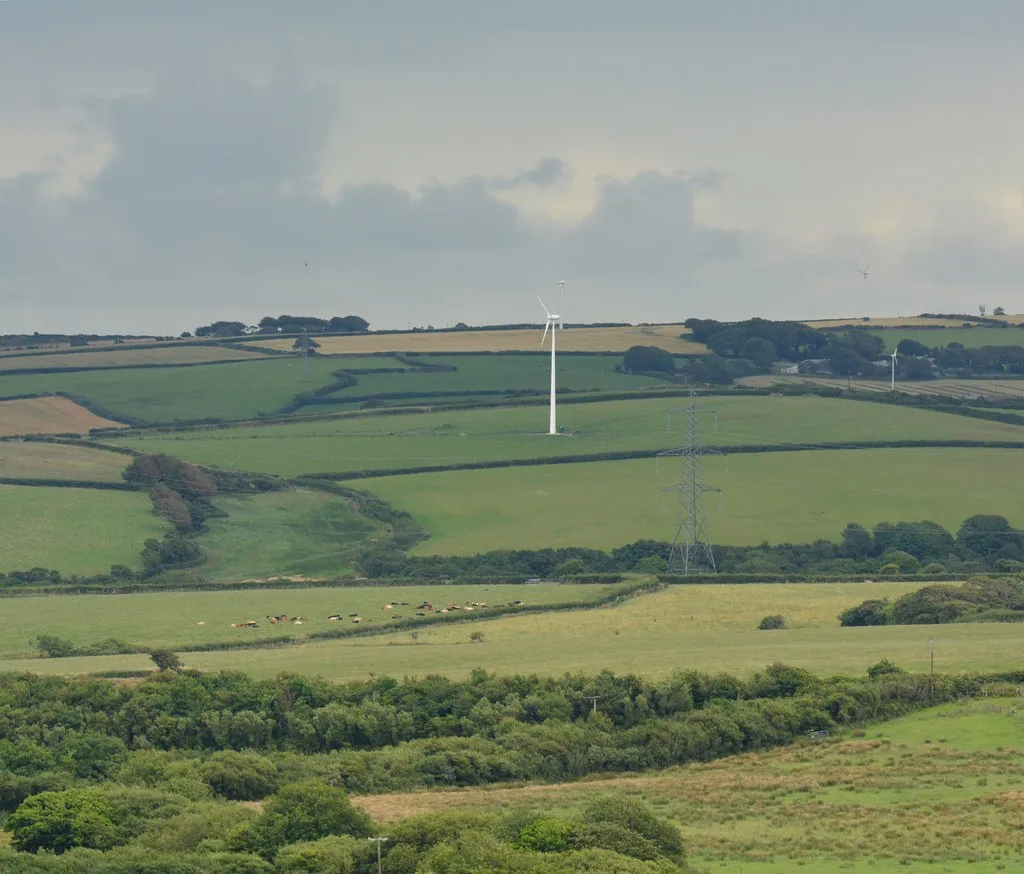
{"x": 285, "y": 324}
{"x": 86, "y": 763}
{"x": 976, "y": 600}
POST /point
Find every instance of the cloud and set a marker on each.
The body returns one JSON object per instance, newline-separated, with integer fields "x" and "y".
{"x": 544, "y": 174}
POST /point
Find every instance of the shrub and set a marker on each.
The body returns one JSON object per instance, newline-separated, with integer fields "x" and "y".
{"x": 165, "y": 659}
{"x": 871, "y": 612}
{"x": 884, "y": 667}
{"x": 240, "y": 776}
{"x": 58, "y": 821}
{"x": 772, "y": 623}
{"x": 308, "y": 811}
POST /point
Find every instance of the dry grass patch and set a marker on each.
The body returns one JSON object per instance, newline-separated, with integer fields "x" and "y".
{"x": 120, "y": 356}
{"x": 48, "y": 415}
{"x": 19, "y": 460}
{"x": 525, "y": 340}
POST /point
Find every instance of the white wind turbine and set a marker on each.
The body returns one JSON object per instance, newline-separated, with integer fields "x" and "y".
{"x": 893, "y": 356}
{"x": 554, "y": 323}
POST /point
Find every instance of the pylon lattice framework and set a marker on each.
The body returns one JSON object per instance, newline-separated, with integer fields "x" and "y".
{"x": 691, "y": 547}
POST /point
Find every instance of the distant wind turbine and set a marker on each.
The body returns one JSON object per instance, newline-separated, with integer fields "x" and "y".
{"x": 893, "y": 356}
{"x": 554, "y": 323}
{"x": 863, "y": 271}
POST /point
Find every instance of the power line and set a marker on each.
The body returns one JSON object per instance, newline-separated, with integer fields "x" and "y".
{"x": 691, "y": 547}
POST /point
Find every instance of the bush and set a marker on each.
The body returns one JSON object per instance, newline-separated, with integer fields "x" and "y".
{"x": 58, "y": 821}
{"x": 240, "y": 776}
{"x": 308, "y": 811}
{"x": 870, "y": 612}
{"x": 772, "y": 623}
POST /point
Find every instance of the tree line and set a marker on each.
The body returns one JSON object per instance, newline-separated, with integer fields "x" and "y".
{"x": 977, "y": 600}
{"x": 285, "y": 324}
{"x": 122, "y": 778}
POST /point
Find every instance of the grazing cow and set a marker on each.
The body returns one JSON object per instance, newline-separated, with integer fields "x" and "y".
{"x": 396, "y": 615}
{"x": 388, "y": 607}
{"x": 273, "y": 620}
{"x": 353, "y": 614}
{"x": 200, "y": 623}
{"x": 421, "y": 614}
{"x": 357, "y": 620}
{"x": 334, "y": 618}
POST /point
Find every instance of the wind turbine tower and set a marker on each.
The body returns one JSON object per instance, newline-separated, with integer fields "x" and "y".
{"x": 893, "y": 386}
{"x": 554, "y": 323}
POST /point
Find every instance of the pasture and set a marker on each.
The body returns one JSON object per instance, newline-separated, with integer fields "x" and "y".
{"x": 383, "y": 442}
{"x": 126, "y": 356}
{"x": 172, "y": 619}
{"x": 972, "y": 338}
{"x": 936, "y": 791}
{"x": 31, "y": 460}
{"x": 573, "y": 339}
{"x": 786, "y": 497}
{"x": 279, "y": 534}
{"x": 49, "y": 415}
{"x": 706, "y": 627}
{"x": 75, "y": 531}
{"x": 965, "y": 389}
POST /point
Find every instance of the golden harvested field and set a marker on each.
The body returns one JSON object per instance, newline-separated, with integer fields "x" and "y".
{"x": 903, "y": 322}
{"x": 59, "y": 461}
{"x": 49, "y": 415}
{"x": 123, "y": 357}
{"x": 569, "y": 340}
{"x": 968, "y": 389}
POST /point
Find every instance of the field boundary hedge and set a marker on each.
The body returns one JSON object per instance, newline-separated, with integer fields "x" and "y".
{"x": 630, "y": 454}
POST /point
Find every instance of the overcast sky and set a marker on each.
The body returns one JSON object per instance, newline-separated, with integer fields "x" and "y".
{"x": 166, "y": 164}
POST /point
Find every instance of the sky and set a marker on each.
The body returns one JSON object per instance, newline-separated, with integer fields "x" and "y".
{"x": 163, "y": 165}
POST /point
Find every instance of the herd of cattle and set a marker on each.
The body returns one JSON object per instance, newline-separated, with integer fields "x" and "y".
{"x": 419, "y": 610}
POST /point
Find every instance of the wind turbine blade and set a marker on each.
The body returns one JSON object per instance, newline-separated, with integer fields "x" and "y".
{"x": 546, "y": 310}
{"x": 561, "y": 305}
{"x": 547, "y": 325}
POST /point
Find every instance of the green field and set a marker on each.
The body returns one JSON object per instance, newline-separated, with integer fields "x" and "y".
{"x": 172, "y": 618}
{"x": 786, "y": 497}
{"x": 711, "y": 628}
{"x": 972, "y": 338}
{"x": 938, "y": 791}
{"x": 31, "y": 460}
{"x": 291, "y": 533}
{"x": 388, "y": 441}
{"x": 241, "y": 390}
{"x": 80, "y": 531}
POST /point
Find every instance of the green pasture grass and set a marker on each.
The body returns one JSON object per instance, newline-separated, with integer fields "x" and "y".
{"x": 903, "y": 798}
{"x": 172, "y": 618}
{"x": 972, "y": 338}
{"x": 232, "y": 390}
{"x": 286, "y": 533}
{"x": 59, "y": 461}
{"x": 707, "y": 627}
{"x": 787, "y": 497}
{"x": 394, "y": 441}
{"x": 74, "y": 531}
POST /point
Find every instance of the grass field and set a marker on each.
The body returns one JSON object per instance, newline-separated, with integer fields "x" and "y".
{"x": 247, "y": 389}
{"x": 387, "y": 441}
{"x": 966, "y": 389}
{"x": 80, "y": 531}
{"x": 21, "y": 460}
{"x": 292, "y": 533}
{"x": 50, "y": 415}
{"x": 574, "y": 339}
{"x": 791, "y": 497}
{"x": 125, "y": 356}
{"x": 171, "y": 618}
{"x": 710, "y": 628}
{"x": 937, "y": 791}
{"x": 972, "y": 338}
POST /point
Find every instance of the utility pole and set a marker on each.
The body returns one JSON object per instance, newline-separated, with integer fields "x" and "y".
{"x": 379, "y": 840}
{"x": 931, "y": 680}
{"x": 691, "y": 547}
{"x": 593, "y": 699}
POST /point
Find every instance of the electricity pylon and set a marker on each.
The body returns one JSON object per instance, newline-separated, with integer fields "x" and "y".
{"x": 691, "y": 547}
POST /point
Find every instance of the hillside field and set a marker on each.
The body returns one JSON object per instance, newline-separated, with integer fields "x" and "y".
{"x": 31, "y": 460}
{"x": 125, "y": 356}
{"x": 289, "y": 533}
{"x": 972, "y": 338}
{"x": 49, "y": 415}
{"x": 574, "y": 339}
{"x": 964, "y": 389}
{"x": 786, "y": 497}
{"x": 248, "y": 389}
{"x": 710, "y": 628}
{"x": 937, "y": 791}
{"x": 384, "y": 442}
{"x": 172, "y": 618}
{"x": 75, "y": 531}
